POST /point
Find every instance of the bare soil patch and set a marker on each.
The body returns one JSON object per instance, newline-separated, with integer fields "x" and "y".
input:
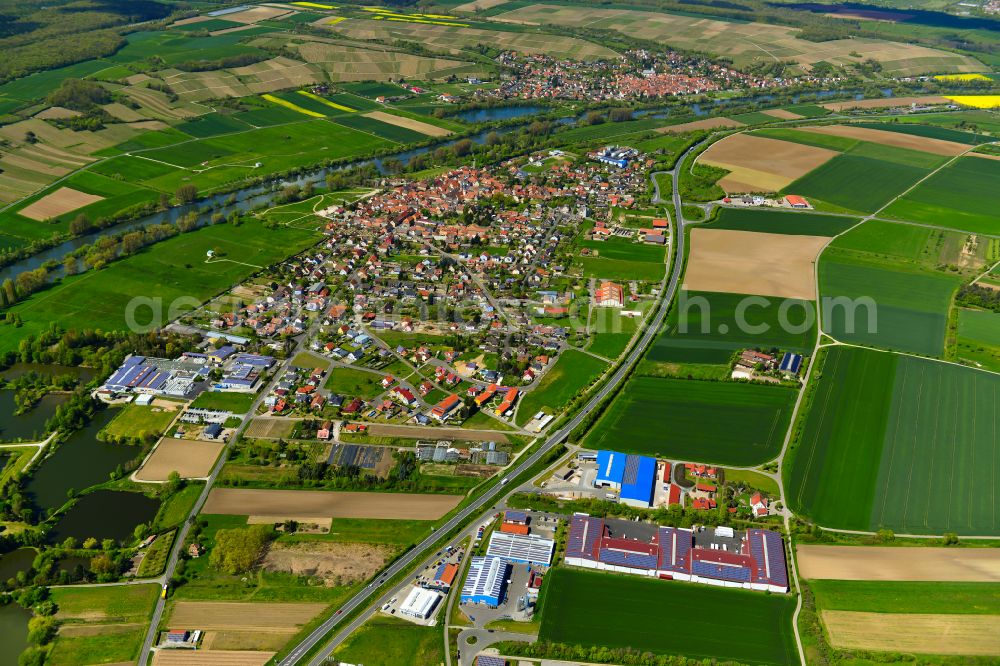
{"x": 259, "y": 13}
{"x": 896, "y": 139}
{"x": 408, "y": 123}
{"x": 694, "y": 125}
{"x": 749, "y": 262}
{"x": 63, "y": 200}
{"x": 923, "y": 634}
{"x": 328, "y": 504}
{"x": 335, "y": 563}
{"x": 192, "y": 460}
{"x": 784, "y": 114}
{"x": 308, "y": 525}
{"x": 211, "y": 658}
{"x": 760, "y": 164}
{"x": 243, "y": 616}
{"x": 243, "y": 640}
{"x": 422, "y": 432}
{"x": 884, "y": 102}
{"x": 875, "y": 563}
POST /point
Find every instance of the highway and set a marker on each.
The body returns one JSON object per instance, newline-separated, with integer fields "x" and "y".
{"x": 482, "y": 507}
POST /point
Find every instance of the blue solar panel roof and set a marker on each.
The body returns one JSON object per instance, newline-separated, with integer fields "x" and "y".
{"x": 639, "y": 479}
{"x": 610, "y": 466}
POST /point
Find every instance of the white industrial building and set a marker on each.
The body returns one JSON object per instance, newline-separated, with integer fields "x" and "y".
{"x": 521, "y": 548}
{"x": 419, "y": 603}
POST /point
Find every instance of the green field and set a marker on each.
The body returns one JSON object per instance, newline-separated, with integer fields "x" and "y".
{"x": 931, "y": 132}
{"x": 572, "y": 372}
{"x": 899, "y": 442}
{"x": 381, "y": 129}
{"x": 857, "y": 182}
{"x": 718, "y": 422}
{"x": 829, "y": 141}
{"x": 237, "y": 403}
{"x": 352, "y": 383}
{"x": 957, "y": 197}
{"x": 619, "y": 259}
{"x": 390, "y": 640}
{"x": 212, "y": 124}
{"x": 697, "y": 621}
{"x": 979, "y": 338}
{"x": 777, "y": 222}
{"x": 880, "y": 596}
{"x": 892, "y": 307}
{"x": 138, "y": 421}
{"x": 163, "y": 274}
{"x": 703, "y": 328}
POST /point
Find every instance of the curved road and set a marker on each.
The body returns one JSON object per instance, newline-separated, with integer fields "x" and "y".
{"x": 481, "y": 506}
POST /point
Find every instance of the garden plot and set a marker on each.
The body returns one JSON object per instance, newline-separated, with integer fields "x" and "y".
{"x": 979, "y": 565}
{"x": 63, "y": 200}
{"x": 895, "y": 139}
{"x": 748, "y": 262}
{"x": 759, "y": 164}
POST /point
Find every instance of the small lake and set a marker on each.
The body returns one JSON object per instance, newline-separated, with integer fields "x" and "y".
{"x": 13, "y": 633}
{"x": 105, "y": 514}
{"x": 15, "y": 561}
{"x": 497, "y": 113}
{"x": 29, "y": 426}
{"x": 79, "y": 462}
{"x": 51, "y": 369}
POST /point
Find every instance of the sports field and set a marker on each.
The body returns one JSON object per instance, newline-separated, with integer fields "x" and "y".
{"x": 884, "y": 304}
{"x": 717, "y": 422}
{"x": 663, "y": 617}
{"x": 957, "y": 197}
{"x": 918, "y": 458}
{"x": 170, "y": 273}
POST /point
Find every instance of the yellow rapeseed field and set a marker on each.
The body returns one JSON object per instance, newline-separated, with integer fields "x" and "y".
{"x": 976, "y": 101}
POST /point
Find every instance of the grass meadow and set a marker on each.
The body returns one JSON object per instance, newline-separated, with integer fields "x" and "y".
{"x": 161, "y": 274}
{"x": 390, "y": 640}
{"x": 664, "y": 617}
{"x": 882, "y": 596}
{"x": 979, "y": 338}
{"x": 918, "y": 458}
{"x": 571, "y": 374}
{"x": 718, "y": 422}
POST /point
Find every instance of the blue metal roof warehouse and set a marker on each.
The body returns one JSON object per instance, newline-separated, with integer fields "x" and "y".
{"x": 634, "y": 476}
{"x": 486, "y": 581}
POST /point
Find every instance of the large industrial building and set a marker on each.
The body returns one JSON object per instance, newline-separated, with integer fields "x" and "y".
{"x": 754, "y": 559}
{"x": 419, "y": 603}
{"x": 486, "y": 582}
{"x": 521, "y": 548}
{"x": 633, "y": 476}
{"x": 157, "y": 376}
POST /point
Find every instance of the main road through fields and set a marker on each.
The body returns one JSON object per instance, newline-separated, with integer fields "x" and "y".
{"x": 501, "y": 492}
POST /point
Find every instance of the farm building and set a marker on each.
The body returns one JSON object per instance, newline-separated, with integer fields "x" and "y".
{"x": 419, "y": 603}
{"x": 790, "y": 364}
{"x": 444, "y": 577}
{"x": 486, "y": 581}
{"x": 609, "y": 295}
{"x": 795, "y": 201}
{"x": 521, "y": 548}
{"x": 754, "y": 559}
{"x": 634, "y": 476}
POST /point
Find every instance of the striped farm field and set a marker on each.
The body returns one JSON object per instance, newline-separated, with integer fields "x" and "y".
{"x": 699, "y": 418}
{"x": 919, "y": 458}
{"x": 779, "y": 222}
{"x": 293, "y": 106}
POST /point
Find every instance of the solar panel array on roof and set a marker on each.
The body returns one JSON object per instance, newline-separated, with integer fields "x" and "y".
{"x": 675, "y": 548}
{"x": 628, "y": 559}
{"x": 736, "y": 574}
{"x": 584, "y": 531}
{"x": 639, "y": 480}
{"x": 527, "y": 549}
{"x": 768, "y": 553}
{"x": 486, "y": 580}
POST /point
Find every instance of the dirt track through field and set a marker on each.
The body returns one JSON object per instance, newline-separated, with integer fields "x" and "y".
{"x": 884, "y": 102}
{"x": 923, "y": 634}
{"x": 243, "y": 616}
{"x": 408, "y": 123}
{"x": 875, "y": 563}
{"x": 327, "y": 504}
{"x": 759, "y": 164}
{"x": 210, "y": 658}
{"x": 895, "y": 139}
{"x": 749, "y": 262}
{"x": 192, "y": 460}
{"x": 61, "y": 201}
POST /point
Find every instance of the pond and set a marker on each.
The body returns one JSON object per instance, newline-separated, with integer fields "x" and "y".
{"x": 15, "y": 561}
{"x": 105, "y": 514}
{"x": 29, "y": 426}
{"x": 13, "y": 633}
{"x": 497, "y": 113}
{"x": 51, "y": 369}
{"x": 79, "y": 462}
